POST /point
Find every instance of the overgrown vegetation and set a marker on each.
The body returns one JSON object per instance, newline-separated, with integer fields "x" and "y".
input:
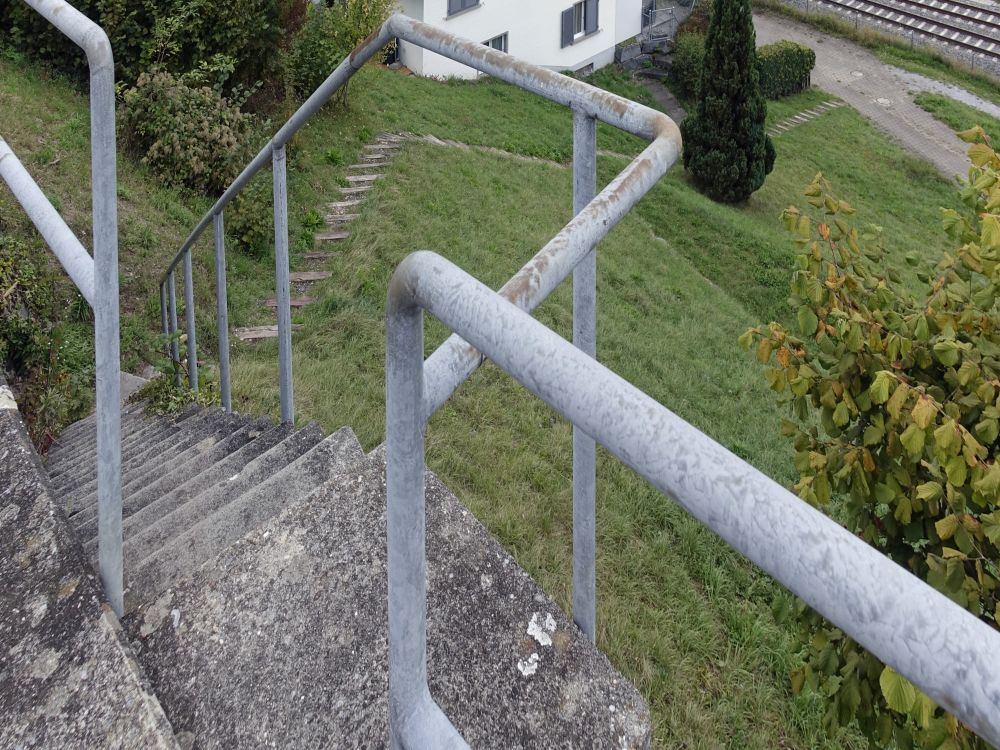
{"x": 726, "y": 148}
{"x": 898, "y": 415}
{"x": 956, "y": 115}
{"x": 686, "y": 64}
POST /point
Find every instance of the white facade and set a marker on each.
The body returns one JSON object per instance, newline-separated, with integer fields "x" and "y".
{"x": 534, "y": 30}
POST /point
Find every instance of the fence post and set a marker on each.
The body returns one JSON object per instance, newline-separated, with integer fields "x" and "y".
{"x": 192, "y": 344}
{"x": 282, "y": 290}
{"x": 585, "y": 339}
{"x": 175, "y": 353}
{"x": 222, "y": 310}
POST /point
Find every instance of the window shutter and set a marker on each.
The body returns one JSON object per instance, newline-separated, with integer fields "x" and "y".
{"x": 567, "y": 27}
{"x": 590, "y": 17}
{"x": 454, "y": 6}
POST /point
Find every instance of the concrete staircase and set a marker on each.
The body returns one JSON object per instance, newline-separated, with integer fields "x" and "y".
{"x": 256, "y": 595}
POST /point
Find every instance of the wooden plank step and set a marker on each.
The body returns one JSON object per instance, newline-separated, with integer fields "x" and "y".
{"x": 370, "y": 164}
{"x": 343, "y": 204}
{"x": 364, "y": 177}
{"x": 298, "y": 277}
{"x": 355, "y": 190}
{"x": 340, "y": 218}
{"x": 334, "y": 236}
{"x": 255, "y": 333}
{"x": 293, "y": 302}
{"x": 320, "y": 255}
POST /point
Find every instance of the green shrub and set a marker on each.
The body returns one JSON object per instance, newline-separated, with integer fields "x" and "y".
{"x": 328, "y": 35}
{"x": 188, "y": 135}
{"x": 249, "y": 219}
{"x": 685, "y": 65}
{"x": 784, "y": 68}
{"x": 726, "y": 148}
{"x": 29, "y": 32}
{"x": 897, "y": 400}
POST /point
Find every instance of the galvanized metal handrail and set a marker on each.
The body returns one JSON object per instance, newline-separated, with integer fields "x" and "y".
{"x": 907, "y": 624}
{"x": 97, "y": 278}
{"x": 571, "y": 250}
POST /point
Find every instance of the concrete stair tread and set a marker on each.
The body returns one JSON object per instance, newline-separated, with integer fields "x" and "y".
{"x": 355, "y": 190}
{"x": 183, "y": 553}
{"x": 298, "y": 277}
{"x": 147, "y": 507}
{"x": 321, "y": 255}
{"x": 337, "y": 205}
{"x": 332, "y": 236}
{"x": 340, "y": 218}
{"x": 364, "y": 177}
{"x": 507, "y": 666}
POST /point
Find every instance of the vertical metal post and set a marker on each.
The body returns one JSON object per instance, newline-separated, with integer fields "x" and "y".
{"x": 104, "y": 198}
{"x": 192, "y": 344}
{"x": 222, "y": 310}
{"x": 585, "y": 339}
{"x": 282, "y": 289}
{"x": 175, "y": 354}
{"x": 164, "y": 326}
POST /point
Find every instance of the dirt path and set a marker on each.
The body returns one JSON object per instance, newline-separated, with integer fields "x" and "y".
{"x": 879, "y": 91}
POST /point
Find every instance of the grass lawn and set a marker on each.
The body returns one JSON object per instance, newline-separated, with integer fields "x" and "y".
{"x": 958, "y": 116}
{"x": 679, "y": 279}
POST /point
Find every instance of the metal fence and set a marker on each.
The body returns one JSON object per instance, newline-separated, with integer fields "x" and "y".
{"x": 899, "y": 618}
{"x": 97, "y": 277}
{"x": 572, "y": 248}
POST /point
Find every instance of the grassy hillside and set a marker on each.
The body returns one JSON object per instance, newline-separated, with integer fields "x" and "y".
{"x": 683, "y": 616}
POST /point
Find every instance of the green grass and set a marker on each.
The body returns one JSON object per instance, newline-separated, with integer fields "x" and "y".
{"x": 896, "y": 51}
{"x": 958, "y": 116}
{"x": 679, "y": 279}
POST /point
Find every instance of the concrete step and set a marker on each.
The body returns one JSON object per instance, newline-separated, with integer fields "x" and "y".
{"x": 79, "y": 483}
{"x": 370, "y": 164}
{"x": 340, "y": 218}
{"x": 506, "y": 664}
{"x": 320, "y": 255}
{"x": 363, "y": 178}
{"x": 187, "y": 551}
{"x": 143, "y": 543}
{"x": 293, "y": 302}
{"x": 298, "y": 277}
{"x": 146, "y": 508}
{"x": 355, "y": 190}
{"x": 213, "y": 430}
{"x": 135, "y": 435}
{"x": 194, "y": 468}
{"x": 376, "y": 147}
{"x": 84, "y": 431}
{"x": 256, "y": 333}
{"x": 86, "y": 445}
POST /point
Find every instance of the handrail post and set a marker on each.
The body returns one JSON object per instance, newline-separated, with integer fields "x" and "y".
{"x": 175, "y": 353}
{"x": 585, "y": 339}
{"x": 282, "y": 290}
{"x": 222, "y": 310}
{"x": 192, "y": 344}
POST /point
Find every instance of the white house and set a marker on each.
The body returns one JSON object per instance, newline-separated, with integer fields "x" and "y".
{"x": 557, "y": 34}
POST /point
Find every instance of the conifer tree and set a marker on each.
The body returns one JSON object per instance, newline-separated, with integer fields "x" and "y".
{"x": 726, "y": 148}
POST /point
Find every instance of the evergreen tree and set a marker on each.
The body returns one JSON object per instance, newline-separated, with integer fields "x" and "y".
{"x": 726, "y": 148}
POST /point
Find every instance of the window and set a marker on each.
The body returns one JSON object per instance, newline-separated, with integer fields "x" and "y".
{"x": 457, "y": 6}
{"x": 498, "y": 42}
{"x": 578, "y": 21}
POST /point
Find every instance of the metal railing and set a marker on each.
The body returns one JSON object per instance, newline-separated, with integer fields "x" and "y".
{"x": 659, "y": 22}
{"x": 97, "y": 277}
{"x": 903, "y": 621}
{"x": 572, "y": 248}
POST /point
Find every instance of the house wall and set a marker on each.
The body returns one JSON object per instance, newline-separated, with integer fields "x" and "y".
{"x": 533, "y": 33}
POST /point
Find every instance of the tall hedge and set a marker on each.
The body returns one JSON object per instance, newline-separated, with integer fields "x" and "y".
{"x": 784, "y": 68}
{"x": 726, "y": 148}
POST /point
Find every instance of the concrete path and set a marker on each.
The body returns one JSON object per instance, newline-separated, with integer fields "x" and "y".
{"x": 663, "y": 96}
{"x": 880, "y": 92}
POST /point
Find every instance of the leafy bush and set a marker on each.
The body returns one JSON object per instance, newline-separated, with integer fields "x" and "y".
{"x": 784, "y": 68}
{"x": 726, "y": 148}
{"x": 698, "y": 20}
{"x": 685, "y": 66}
{"x": 29, "y": 32}
{"x": 897, "y": 400}
{"x": 326, "y": 38}
{"x": 188, "y": 135}
{"x": 249, "y": 219}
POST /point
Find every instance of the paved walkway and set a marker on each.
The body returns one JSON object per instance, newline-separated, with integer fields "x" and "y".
{"x": 667, "y": 101}
{"x": 880, "y": 92}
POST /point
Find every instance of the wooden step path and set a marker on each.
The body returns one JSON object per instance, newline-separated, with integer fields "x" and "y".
{"x": 375, "y": 157}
